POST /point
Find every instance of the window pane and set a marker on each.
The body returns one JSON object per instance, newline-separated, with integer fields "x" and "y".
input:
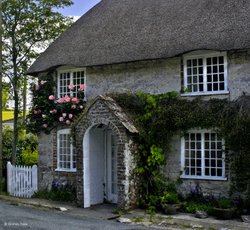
{"x": 210, "y": 157}
{"x": 64, "y": 154}
{"x": 219, "y": 172}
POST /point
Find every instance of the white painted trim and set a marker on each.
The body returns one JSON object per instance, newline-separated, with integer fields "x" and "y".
{"x": 86, "y": 169}
{"x": 65, "y": 170}
{"x": 59, "y": 132}
{"x": 202, "y": 131}
{"x": 203, "y": 178}
{"x": 70, "y": 70}
{"x": 225, "y": 92}
{"x": 204, "y": 55}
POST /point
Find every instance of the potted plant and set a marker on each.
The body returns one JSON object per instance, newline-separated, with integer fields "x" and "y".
{"x": 170, "y": 202}
{"x": 224, "y": 209}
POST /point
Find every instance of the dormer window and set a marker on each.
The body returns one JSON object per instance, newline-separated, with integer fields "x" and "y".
{"x": 205, "y": 73}
{"x": 67, "y": 78}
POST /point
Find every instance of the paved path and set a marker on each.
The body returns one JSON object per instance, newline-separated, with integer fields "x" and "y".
{"x": 21, "y": 217}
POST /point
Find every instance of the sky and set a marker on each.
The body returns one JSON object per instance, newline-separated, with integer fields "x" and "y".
{"x": 79, "y": 8}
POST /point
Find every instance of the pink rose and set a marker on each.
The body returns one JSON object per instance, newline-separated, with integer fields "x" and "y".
{"x": 67, "y": 98}
{"x": 61, "y": 119}
{"x": 37, "y": 87}
{"x": 52, "y": 97}
{"x": 35, "y": 112}
{"x": 64, "y": 115}
{"x": 73, "y": 106}
{"x": 70, "y": 116}
{"x": 54, "y": 111}
{"x": 81, "y": 87}
{"x": 67, "y": 122}
{"x": 71, "y": 86}
{"x": 74, "y": 99}
{"x": 60, "y": 100}
{"x": 45, "y": 126}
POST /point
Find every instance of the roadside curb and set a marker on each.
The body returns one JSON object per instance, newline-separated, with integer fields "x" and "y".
{"x": 27, "y": 201}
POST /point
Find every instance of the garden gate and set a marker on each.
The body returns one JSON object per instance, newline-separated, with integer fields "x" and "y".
{"x": 21, "y": 180}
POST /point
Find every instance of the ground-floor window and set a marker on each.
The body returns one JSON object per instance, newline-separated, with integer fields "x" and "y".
{"x": 66, "y": 156}
{"x": 202, "y": 155}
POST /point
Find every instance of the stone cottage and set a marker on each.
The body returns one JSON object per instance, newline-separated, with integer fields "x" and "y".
{"x": 201, "y": 46}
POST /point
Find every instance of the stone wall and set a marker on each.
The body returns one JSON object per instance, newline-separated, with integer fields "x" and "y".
{"x": 239, "y": 73}
{"x": 161, "y": 76}
{"x": 173, "y": 171}
{"x": 47, "y": 162}
{"x": 153, "y": 77}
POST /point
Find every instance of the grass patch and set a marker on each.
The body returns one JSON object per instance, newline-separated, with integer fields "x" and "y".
{"x": 120, "y": 212}
{"x": 8, "y": 115}
{"x": 138, "y": 219}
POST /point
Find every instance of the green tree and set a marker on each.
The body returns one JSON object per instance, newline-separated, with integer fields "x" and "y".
{"x": 28, "y": 27}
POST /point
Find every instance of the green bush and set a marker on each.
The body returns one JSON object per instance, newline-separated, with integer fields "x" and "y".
{"x": 192, "y": 207}
{"x": 224, "y": 203}
{"x": 169, "y": 198}
{"x": 27, "y": 152}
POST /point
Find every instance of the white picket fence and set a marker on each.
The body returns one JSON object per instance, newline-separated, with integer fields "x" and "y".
{"x": 21, "y": 180}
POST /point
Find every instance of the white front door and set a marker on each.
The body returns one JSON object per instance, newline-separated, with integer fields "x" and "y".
{"x": 111, "y": 168}
{"x": 100, "y": 166}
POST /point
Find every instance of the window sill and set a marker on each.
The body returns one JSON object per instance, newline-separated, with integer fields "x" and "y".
{"x": 204, "y": 178}
{"x": 65, "y": 170}
{"x": 205, "y": 93}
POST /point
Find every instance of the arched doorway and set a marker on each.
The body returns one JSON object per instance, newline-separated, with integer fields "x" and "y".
{"x": 99, "y": 165}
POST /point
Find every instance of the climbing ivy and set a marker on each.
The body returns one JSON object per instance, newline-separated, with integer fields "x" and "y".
{"x": 159, "y": 117}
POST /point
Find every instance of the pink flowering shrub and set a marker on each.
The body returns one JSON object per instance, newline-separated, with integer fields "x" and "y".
{"x": 48, "y": 111}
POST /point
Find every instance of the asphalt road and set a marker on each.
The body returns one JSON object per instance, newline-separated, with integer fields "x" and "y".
{"x": 22, "y": 217}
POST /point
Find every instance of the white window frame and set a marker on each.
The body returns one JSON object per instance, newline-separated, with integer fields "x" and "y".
{"x": 203, "y": 177}
{"x": 203, "y": 55}
{"x": 71, "y": 169}
{"x": 70, "y": 71}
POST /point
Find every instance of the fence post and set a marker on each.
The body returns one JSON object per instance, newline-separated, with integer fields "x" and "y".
{"x": 9, "y": 178}
{"x": 34, "y": 178}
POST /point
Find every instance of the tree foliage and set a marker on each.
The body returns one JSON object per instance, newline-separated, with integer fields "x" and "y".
{"x": 28, "y": 27}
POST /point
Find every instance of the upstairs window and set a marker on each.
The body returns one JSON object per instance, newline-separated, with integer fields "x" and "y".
{"x": 66, "y": 156}
{"x": 205, "y": 74}
{"x": 202, "y": 156}
{"x": 66, "y": 78}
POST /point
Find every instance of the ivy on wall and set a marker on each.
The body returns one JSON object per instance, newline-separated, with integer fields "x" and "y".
{"x": 159, "y": 117}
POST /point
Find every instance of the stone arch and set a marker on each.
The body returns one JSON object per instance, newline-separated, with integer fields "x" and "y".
{"x": 91, "y": 119}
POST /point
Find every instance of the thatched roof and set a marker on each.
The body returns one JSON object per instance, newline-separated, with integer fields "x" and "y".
{"x": 117, "y": 31}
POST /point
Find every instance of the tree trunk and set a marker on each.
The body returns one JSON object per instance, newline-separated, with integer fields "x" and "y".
{"x": 15, "y": 126}
{"x": 1, "y": 124}
{"x": 24, "y": 99}
{"x": 15, "y": 89}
